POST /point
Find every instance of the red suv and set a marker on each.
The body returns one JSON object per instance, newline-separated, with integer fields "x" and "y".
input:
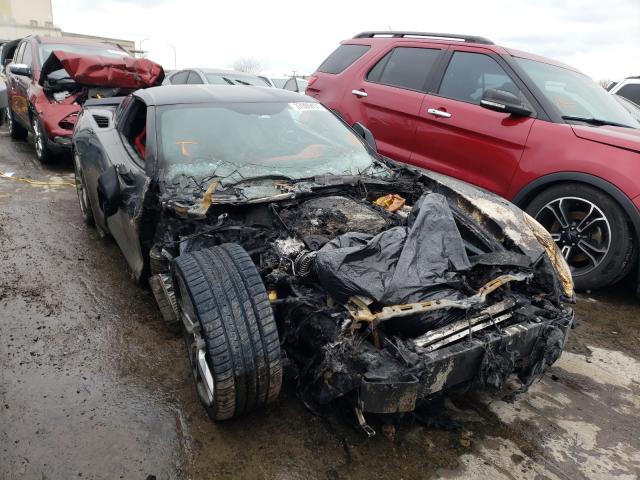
{"x": 533, "y": 130}
{"x": 49, "y": 79}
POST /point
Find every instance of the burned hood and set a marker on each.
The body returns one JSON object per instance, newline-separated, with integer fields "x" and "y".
{"x": 98, "y": 71}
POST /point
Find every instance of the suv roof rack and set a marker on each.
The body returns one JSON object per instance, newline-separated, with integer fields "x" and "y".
{"x": 445, "y": 36}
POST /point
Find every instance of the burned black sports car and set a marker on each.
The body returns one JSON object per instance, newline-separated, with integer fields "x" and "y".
{"x": 272, "y": 233}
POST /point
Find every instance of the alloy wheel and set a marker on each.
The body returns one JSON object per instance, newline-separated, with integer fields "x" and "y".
{"x": 37, "y": 137}
{"x": 81, "y": 189}
{"x": 196, "y": 346}
{"x": 580, "y": 229}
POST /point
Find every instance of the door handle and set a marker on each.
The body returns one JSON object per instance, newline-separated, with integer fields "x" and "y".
{"x": 438, "y": 113}
{"x": 359, "y": 93}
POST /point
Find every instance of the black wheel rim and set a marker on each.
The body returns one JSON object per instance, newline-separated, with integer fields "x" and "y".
{"x": 580, "y": 229}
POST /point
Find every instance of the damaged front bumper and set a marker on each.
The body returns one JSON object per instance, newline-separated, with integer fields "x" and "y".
{"x": 526, "y": 348}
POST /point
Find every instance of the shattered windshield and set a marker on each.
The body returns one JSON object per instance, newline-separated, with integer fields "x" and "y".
{"x": 233, "y": 142}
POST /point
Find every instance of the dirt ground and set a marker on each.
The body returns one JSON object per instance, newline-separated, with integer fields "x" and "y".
{"x": 92, "y": 385}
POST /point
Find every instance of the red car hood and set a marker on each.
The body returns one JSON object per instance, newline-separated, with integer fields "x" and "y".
{"x": 627, "y": 138}
{"x": 96, "y": 71}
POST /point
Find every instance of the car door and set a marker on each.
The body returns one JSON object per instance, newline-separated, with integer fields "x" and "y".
{"x": 18, "y": 88}
{"x": 122, "y": 151}
{"x": 387, "y": 93}
{"x": 458, "y": 137}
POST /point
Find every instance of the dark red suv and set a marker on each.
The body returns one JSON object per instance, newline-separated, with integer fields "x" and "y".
{"x": 49, "y": 79}
{"x": 533, "y": 130}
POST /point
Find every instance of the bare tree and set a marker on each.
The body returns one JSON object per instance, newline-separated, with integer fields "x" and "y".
{"x": 249, "y": 65}
{"x": 605, "y": 82}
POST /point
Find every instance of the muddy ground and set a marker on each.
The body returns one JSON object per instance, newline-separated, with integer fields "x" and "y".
{"x": 92, "y": 385}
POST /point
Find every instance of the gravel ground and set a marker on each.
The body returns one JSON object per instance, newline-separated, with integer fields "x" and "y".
{"x": 92, "y": 385}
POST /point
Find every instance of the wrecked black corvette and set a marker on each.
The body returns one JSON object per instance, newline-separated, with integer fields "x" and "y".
{"x": 271, "y": 232}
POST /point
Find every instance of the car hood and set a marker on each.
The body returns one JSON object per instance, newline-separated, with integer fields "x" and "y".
{"x": 97, "y": 71}
{"x": 627, "y": 138}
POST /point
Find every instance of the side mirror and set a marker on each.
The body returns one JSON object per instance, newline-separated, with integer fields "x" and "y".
{"x": 365, "y": 133}
{"x": 109, "y": 195}
{"x": 504, "y": 102}
{"x": 20, "y": 69}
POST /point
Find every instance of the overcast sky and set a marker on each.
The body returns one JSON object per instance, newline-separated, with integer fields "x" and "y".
{"x": 600, "y": 37}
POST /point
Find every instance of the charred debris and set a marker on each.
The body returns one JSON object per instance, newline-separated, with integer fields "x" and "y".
{"x": 386, "y": 292}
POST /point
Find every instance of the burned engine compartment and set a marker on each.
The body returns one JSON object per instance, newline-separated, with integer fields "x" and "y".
{"x": 386, "y": 293}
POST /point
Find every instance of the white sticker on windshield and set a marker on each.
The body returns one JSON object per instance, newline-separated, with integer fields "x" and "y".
{"x": 306, "y": 106}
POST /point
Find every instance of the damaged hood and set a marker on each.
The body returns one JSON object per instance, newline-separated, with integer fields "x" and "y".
{"x": 97, "y": 71}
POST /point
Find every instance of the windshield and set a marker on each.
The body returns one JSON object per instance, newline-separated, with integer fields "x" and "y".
{"x": 575, "y": 94}
{"x": 232, "y": 79}
{"x": 106, "y": 51}
{"x": 629, "y": 106}
{"x": 238, "y": 141}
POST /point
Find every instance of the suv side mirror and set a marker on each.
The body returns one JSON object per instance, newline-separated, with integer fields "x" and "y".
{"x": 109, "y": 195}
{"x": 504, "y": 102}
{"x": 21, "y": 69}
{"x": 365, "y": 133}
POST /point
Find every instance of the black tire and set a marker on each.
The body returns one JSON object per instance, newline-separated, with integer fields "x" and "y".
{"x": 223, "y": 288}
{"x": 17, "y": 131}
{"x": 81, "y": 190}
{"x": 40, "y": 141}
{"x": 612, "y": 231}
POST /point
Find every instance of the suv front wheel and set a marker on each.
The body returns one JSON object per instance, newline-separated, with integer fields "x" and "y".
{"x": 591, "y": 231}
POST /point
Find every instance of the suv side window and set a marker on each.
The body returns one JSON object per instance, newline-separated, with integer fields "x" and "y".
{"x": 630, "y": 91}
{"x": 194, "y": 78}
{"x": 470, "y": 74}
{"x": 180, "y": 78}
{"x": 27, "y": 56}
{"x": 18, "y": 55}
{"x": 405, "y": 67}
{"x": 342, "y": 57}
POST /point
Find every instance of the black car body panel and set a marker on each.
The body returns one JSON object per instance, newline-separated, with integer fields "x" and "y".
{"x": 387, "y": 358}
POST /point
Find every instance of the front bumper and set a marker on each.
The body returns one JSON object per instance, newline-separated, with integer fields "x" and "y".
{"x": 526, "y": 348}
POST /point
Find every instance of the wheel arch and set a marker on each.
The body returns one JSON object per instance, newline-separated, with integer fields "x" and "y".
{"x": 524, "y": 196}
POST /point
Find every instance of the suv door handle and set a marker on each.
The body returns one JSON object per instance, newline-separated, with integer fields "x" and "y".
{"x": 438, "y": 113}
{"x": 359, "y": 93}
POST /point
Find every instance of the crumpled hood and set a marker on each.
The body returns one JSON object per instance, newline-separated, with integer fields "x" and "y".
{"x": 620, "y": 137}
{"x": 97, "y": 71}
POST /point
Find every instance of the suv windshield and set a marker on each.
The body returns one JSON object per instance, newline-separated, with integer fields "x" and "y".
{"x": 575, "y": 95}
{"x": 106, "y": 51}
{"x": 238, "y": 141}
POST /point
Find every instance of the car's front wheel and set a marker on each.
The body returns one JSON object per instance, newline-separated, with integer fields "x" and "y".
{"x": 230, "y": 331}
{"x": 17, "y": 131}
{"x": 43, "y": 152}
{"x": 591, "y": 231}
{"x": 81, "y": 190}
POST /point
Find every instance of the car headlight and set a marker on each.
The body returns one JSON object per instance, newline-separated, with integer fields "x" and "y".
{"x": 553, "y": 252}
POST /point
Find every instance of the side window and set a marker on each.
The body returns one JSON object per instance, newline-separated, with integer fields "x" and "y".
{"x": 194, "y": 78}
{"x": 18, "y": 55}
{"x": 290, "y": 85}
{"x": 180, "y": 78}
{"x": 405, "y": 67}
{"x": 134, "y": 127}
{"x": 342, "y": 57}
{"x": 468, "y": 75}
{"x": 27, "y": 56}
{"x": 630, "y": 91}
